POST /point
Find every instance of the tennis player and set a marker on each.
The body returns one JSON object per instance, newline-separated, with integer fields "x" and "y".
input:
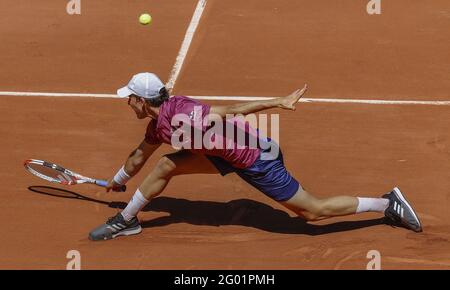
{"x": 261, "y": 166}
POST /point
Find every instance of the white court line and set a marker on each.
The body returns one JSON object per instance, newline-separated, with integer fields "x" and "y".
{"x": 319, "y": 100}
{"x": 186, "y": 44}
{"x": 239, "y": 98}
{"x": 41, "y": 94}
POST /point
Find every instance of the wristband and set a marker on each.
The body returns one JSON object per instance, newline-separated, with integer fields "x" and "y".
{"x": 121, "y": 176}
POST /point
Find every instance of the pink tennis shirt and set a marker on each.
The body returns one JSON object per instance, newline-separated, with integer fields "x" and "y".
{"x": 163, "y": 129}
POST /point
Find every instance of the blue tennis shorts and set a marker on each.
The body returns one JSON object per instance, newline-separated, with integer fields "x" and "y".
{"x": 268, "y": 176}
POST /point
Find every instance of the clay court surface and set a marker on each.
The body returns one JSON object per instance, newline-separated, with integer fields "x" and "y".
{"x": 241, "y": 48}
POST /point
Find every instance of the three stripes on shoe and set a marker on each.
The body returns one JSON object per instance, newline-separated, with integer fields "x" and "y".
{"x": 398, "y": 208}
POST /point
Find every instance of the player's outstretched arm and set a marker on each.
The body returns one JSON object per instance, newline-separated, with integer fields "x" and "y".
{"x": 134, "y": 163}
{"x": 287, "y": 103}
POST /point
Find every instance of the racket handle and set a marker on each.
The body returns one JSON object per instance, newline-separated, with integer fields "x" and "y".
{"x": 123, "y": 188}
{"x": 104, "y": 183}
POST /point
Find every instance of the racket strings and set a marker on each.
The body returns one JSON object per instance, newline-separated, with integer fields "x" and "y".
{"x": 50, "y": 173}
{"x": 65, "y": 179}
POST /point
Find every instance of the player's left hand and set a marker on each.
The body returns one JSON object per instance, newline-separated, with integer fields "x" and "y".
{"x": 290, "y": 101}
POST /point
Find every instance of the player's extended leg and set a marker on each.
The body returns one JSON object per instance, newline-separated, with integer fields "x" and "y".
{"x": 312, "y": 208}
{"x": 270, "y": 176}
{"x": 394, "y": 205}
{"x": 170, "y": 165}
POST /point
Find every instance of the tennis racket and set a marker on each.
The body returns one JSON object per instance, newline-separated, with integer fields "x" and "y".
{"x": 58, "y": 174}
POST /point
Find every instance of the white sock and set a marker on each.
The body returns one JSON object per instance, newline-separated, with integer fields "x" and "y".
{"x": 372, "y": 204}
{"x": 136, "y": 204}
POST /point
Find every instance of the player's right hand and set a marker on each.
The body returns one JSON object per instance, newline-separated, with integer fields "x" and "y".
{"x": 112, "y": 185}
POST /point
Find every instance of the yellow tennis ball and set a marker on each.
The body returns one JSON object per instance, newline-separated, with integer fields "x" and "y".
{"x": 145, "y": 19}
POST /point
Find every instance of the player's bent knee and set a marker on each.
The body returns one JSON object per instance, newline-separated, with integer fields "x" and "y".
{"x": 165, "y": 166}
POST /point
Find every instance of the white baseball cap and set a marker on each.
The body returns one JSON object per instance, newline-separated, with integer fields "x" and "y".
{"x": 145, "y": 85}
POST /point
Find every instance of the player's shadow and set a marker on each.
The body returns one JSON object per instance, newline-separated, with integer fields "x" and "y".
{"x": 63, "y": 193}
{"x": 243, "y": 212}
